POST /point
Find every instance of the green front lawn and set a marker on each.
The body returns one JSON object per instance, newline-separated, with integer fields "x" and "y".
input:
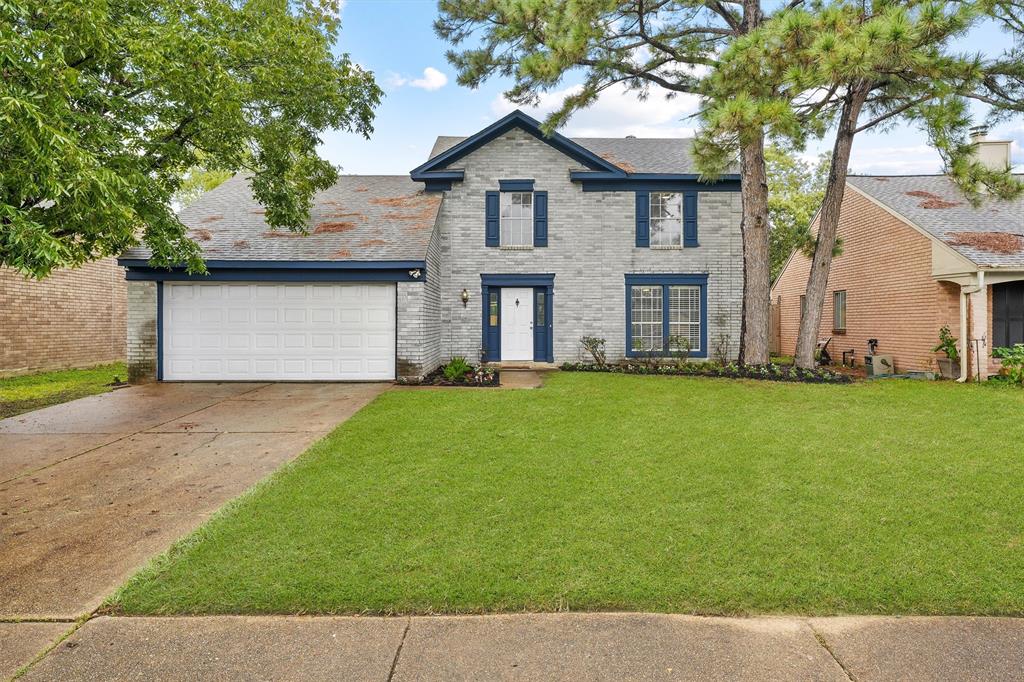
{"x": 624, "y": 492}
{"x": 32, "y": 391}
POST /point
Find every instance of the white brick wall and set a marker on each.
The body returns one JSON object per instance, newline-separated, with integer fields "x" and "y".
{"x": 419, "y": 319}
{"x": 591, "y": 237}
{"x": 141, "y": 331}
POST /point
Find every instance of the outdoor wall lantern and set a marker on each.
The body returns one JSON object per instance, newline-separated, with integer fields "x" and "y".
{"x": 464, "y": 297}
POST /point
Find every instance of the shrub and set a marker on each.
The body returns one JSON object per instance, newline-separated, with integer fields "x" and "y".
{"x": 947, "y": 344}
{"x": 457, "y": 369}
{"x": 1013, "y": 362}
{"x": 594, "y": 346}
{"x": 732, "y": 370}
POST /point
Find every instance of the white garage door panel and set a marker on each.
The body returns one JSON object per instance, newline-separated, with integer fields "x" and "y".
{"x": 278, "y": 331}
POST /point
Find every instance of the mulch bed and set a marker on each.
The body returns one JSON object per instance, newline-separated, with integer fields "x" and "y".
{"x": 491, "y": 379}
{"x": 770, "y": 372}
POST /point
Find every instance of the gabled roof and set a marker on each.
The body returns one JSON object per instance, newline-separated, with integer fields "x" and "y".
{"x": 663, "y": 155}
{"x": 442, "y": 161}
{"x": 990, "y": 235}
{"x": 359, "y": 218}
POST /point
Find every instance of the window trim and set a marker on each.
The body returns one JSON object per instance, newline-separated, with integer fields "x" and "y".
{"x": 666, "y": 281}
{"x": 651, "y": 219}
{"x": 836, "y": 327}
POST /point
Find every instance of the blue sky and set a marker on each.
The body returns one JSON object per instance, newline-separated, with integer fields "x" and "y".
{"x": 395, "y": 40}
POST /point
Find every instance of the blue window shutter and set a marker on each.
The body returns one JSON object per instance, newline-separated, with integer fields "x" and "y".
{"x": 690, "y": 219}
{"x": 643, "y": 219}
{"x": 540, "y": 218}
{"x": 493, "y": 209}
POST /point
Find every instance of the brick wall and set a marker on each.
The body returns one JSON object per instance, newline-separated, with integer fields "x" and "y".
{"x": 73, "y": 318}
{"x": 141, "y": 331}
{"x": 886, "y": 270}
{"x": 419, "y": 318}
{"x": 591, "y": 246}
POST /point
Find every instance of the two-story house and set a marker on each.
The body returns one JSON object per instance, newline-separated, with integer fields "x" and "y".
{"x": 506, "y": 246}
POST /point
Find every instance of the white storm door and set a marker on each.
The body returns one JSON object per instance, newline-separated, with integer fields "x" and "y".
{"x": 278, "y": 332}
{"x": 516, "y": 324}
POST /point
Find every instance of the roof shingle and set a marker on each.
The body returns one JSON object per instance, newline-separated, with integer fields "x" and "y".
{"x": 991, "y": 235}
{"x": 631, "y": 154}
{"x": 359, "y": 218}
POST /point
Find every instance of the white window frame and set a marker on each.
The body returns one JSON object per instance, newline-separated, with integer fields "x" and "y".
{"x": 666, "y": 230}
{"x": 516, "y": 224}
{"x": 839, "y": 310}
{"x": 689, "y": 294}
{"x": 641, "y": 296}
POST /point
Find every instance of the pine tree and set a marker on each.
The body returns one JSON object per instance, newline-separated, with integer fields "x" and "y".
{"x": 844, "y": 67}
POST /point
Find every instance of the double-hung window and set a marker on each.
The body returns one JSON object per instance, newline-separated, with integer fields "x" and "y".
{"x": 666, "y": 314}
{"x": 666, "y": 219}
{"x": 517, "y": 218}
{"x": 839, "y": 311}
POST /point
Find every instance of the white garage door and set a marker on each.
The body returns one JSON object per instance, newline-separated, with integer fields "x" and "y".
{"x": 278, "y": 332}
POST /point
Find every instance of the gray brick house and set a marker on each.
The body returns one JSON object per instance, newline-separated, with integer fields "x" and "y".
{"x": 505, "y": 246}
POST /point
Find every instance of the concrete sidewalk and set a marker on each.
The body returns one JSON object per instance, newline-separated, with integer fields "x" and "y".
{"x": 597, "y": 646}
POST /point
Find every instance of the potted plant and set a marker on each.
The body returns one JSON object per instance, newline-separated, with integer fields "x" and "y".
{"x": 949, "y": 366}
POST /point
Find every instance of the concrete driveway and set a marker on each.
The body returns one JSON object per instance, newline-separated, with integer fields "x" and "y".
{"x": 92, "y": 489}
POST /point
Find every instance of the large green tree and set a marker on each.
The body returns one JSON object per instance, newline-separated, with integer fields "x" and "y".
{"x": 662, "y": 47}
{"x": 840, "y": 68}
{"x": 106, "y": 106}
{"x": 795, "y": 191}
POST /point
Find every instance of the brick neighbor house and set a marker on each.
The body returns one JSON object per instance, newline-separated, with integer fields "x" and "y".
{"x": 73, "y": 318}
{"x": 507, "y": 246}
{"x": 916, "y": 256}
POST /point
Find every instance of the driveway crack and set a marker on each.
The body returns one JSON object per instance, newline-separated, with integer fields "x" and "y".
{"x": 398, "y": 651}
{"x": 824, "y": 645}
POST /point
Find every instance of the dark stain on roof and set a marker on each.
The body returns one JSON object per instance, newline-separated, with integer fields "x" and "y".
{"x": 993, "y": 242}
{"x": 624, "y": 165}
{"x": 932, "y": 200}
{"x": 213, "y": 218}
{"x": 201, "y": 235}
{"x": 334, "y": 226}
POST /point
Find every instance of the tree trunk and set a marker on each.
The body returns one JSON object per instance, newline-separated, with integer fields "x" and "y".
{"x": 828, "y": 225}
{"x": 754, "y": 228}
{"x": 756, "y": 256}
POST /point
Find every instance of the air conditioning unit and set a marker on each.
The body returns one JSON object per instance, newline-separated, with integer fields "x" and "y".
{"x": 879, "y": 365}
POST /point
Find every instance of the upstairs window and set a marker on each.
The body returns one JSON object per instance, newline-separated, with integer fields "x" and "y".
{"x": 517, "y": 218}
{"x": 666, "y": 219}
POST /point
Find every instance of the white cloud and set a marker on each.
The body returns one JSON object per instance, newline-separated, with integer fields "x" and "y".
{"x": 892, "y": 160}
{"x": 432, "y": 80}
{"x": 616, "y": 113}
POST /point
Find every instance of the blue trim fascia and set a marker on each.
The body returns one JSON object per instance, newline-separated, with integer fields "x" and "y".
{"x": 666, "y": 281}
{"x": 671, "y": 278}
{"x": 652, "y": 182}
{"x": 273, "y": 275}
{"x": 437, "y": 185}
{"x": 514, "y": 280}
{"x": 517, "y": 119}
{"x": 291, "y": 264}
{"x": 515, "y": 185}
{"x": 159, "y": 331}
{"x": 282, "y": 271}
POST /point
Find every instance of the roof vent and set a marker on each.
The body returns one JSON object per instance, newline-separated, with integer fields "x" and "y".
{"x": 979, "y": 133}
{"x": 630, "y": 137}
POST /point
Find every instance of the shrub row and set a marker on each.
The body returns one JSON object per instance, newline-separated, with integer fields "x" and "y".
{"x": 731, "y": 370}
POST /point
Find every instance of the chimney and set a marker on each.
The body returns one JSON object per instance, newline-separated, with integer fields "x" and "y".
{"x": 994, "y": 154}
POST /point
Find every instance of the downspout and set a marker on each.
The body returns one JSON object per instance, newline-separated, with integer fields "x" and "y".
{"x": 965, "y": 344}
